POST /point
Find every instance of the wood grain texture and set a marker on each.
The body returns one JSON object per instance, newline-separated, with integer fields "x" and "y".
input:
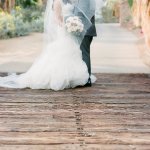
{"x": 114, "y": 114}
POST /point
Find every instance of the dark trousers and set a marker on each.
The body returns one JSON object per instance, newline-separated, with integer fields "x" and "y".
{"x": 85, "y": 48}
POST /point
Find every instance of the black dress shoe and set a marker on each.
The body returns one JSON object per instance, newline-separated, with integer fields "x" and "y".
{"x": 88, "y": 84}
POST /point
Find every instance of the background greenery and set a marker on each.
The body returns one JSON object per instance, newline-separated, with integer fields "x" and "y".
{"x": 27, "y": 16}
{"x": 24, "y": 18}
{"x": 130, "y": 3}
{"x": 108, "y": 11}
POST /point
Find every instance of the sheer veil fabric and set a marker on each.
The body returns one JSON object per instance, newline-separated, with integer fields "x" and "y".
{"x": 71, "y": 8}
{"x": 60, "y": 65}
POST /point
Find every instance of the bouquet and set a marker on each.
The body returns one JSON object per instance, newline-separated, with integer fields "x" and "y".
{"x": 74, "y": 25}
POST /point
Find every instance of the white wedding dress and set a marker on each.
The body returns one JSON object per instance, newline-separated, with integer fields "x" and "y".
{"x": 59, "y": 66}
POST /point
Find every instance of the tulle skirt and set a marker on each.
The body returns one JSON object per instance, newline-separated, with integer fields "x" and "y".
{"x": 59, "y": 66}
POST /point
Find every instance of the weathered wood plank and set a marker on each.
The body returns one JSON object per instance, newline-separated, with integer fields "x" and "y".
{"x": 72, "y": 137}
{"x": 75, "y": 147}
{"x": 113, "y": 114}
{"x": 66, "y": 108}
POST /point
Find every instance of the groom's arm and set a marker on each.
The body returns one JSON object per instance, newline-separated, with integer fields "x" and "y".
{"x": 82, "y": 7}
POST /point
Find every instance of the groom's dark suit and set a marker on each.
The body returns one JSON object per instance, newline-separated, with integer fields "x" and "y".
{"x": 86, "y": 43}
{"x": 89, "y": 10}
{"x": 88, "y": 7}
{"x": 88, "y": 38}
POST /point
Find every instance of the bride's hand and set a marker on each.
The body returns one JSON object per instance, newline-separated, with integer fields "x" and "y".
{"x": 60, "y": 21}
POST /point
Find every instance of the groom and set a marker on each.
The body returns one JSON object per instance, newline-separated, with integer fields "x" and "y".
{"x": 88, "y": 7}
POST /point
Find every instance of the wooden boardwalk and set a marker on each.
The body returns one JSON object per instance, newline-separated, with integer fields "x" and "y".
{"x": 112, "y": 115}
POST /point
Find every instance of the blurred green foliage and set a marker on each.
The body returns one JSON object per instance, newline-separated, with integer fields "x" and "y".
{"x": 108, "y": 12}
{"x": 25, "y": 18}
{"x": 21, "y": 21}
{"x": 26, "y": 3}
{"x": 130, "y": 3}
{"x": 108, "y": 16}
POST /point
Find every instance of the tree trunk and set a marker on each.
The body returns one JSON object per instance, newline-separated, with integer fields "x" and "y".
{"x": 141, "y": 15}
{"x": 7, "y": 5}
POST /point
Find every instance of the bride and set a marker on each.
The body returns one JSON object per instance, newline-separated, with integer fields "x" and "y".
{"x": 60, "y": 65}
